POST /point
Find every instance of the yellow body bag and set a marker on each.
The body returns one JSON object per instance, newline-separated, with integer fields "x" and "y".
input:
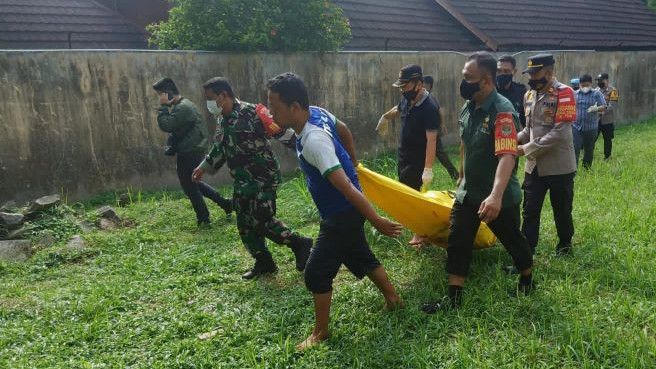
{"x": 426, "y": 214}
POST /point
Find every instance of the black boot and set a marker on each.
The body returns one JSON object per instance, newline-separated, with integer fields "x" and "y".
{"x": 524, "y": 287}
{"x": 564, "y": 249}
{"x": 301, "y": 247}
{"x": 264, "y": 264}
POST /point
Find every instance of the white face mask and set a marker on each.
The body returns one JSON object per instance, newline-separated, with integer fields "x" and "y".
{"x": 585, "y": 90}
{"x": 214, "y": 108}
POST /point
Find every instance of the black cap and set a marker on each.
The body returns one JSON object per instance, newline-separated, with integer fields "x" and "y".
{"x": 602, "y": 76}
{"x": 537, "y": 62}
{"x": 407, "y": 74}
{"x": 166, "y": 84}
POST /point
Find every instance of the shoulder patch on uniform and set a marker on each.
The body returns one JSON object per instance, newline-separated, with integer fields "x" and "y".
{"x": 505, "y": 134}
{"x": 566, "y": 111}
{"x": 264, "y": 115}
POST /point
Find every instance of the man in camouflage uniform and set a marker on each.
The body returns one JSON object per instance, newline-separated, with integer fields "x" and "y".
{"x": 244, "y": 146}
{"x": 607, "y": 118}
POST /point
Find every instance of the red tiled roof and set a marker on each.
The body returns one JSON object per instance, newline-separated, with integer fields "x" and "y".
{"x": 63, "y": 24}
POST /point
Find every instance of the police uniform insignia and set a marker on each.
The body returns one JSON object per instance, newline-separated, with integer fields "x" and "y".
{"x": 485, "y": 127}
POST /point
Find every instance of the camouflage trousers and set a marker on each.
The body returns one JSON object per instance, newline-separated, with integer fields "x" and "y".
{"x": 256, "y": 221}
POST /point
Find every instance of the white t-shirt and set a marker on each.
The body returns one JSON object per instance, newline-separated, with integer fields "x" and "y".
{"x": 319, "y": 149}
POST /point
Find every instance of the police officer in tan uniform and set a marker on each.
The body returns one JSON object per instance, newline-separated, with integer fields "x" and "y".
{"x": 546, "y": 141}
{"x": 607, "y": 118}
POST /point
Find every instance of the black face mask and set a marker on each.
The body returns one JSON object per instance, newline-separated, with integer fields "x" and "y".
{"x": 410, "y": 95}
{"x": 602, "y": 84}
{"x": 503, "y": 80}
{"x": 467, "y": 89}
{"x": 537, "y": 84}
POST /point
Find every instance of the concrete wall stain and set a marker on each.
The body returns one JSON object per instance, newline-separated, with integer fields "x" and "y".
{"x": 83, "y": 122}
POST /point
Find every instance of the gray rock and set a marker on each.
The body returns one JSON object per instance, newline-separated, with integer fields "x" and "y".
{"x": 17, "y": 234}
{"x": 76, "y": 243}
{"x": 46, "y": 239}
{"x": 107, "y": 212}
{"x": 106, "y": 224}
{"x": 15, "y": 250}
{"x": 124, "y": 200}
{"x": 43, "y": 203}
{"x": 86, "y": 226}
{"x": 8, "y": 206}
{"x": 12, "y": 220}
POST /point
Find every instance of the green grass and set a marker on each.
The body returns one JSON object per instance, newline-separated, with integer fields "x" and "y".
{"x": 141, "y": 296}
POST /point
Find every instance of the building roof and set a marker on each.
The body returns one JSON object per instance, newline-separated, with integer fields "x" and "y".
{"x": 65, "y": 24}
{"x": 563, "y": 24}
{"x": 404, "y": 25}
{"x": 500, "y": 25}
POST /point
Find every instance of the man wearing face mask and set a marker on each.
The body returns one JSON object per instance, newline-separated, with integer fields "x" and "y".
{"x": 589, "y": 103}
{"x": 607, "y": 120}
{"x": 488, "y": 188}
{"x": 441, "y": 154}
{"x": 180, "y": 118}
{"x": 511, "y": 90}
{"x": 245, "y": 147}
{"x": 420, "y": 124}
{"x": 547, "y": 143}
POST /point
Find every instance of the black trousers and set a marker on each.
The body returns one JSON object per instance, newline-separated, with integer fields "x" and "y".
{"x": 608, "y": 132}
{"x": 186, "y": 163}
{"x": 586, "y": 142}
{"x": 464, "y": 225}
{"x": 410, "y": 173}
{"x": 443, "y": 157}
{"x": 561, "y": 194}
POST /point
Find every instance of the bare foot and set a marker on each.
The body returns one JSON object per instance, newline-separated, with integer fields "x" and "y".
{"x": 313, "y": 340}
{"x": 417, "y": 242}
{"x": 397, "y": 304}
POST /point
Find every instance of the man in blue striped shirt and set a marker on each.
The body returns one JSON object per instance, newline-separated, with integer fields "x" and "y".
{"x": 589, "y": 103}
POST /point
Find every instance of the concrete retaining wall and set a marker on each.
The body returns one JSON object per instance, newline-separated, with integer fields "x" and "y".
{"x": 83, "y": 122}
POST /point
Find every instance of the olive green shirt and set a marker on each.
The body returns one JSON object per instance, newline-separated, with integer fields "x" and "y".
{"x": 487, "y": 132}
{"x": 184, "y": 120}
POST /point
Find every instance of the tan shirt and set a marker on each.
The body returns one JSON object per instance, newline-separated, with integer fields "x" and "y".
{"x": 612, "y": 98}
{"x": 547, "y": 137}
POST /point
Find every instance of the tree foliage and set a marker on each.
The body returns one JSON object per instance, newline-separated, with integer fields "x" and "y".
{"x": 252, "y": 25}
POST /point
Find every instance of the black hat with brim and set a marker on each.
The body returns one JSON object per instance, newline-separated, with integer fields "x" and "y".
{"x": 537, "y": 62}
{"x": 408, "y": 73}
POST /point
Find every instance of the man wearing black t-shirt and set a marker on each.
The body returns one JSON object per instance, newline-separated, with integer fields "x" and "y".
{"x": 421, "y": 123}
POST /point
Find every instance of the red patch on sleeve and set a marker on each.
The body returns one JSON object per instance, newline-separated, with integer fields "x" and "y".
{"x": 566, "y": 110}
{"x": 270, "y": 127}
{"x": 505, "y": 134}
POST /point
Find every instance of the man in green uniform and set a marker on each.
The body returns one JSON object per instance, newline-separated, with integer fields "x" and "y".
{"x": 488, "y": 189}
{"x": 245, "y": 147}
{"x": 180, "y": 118}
